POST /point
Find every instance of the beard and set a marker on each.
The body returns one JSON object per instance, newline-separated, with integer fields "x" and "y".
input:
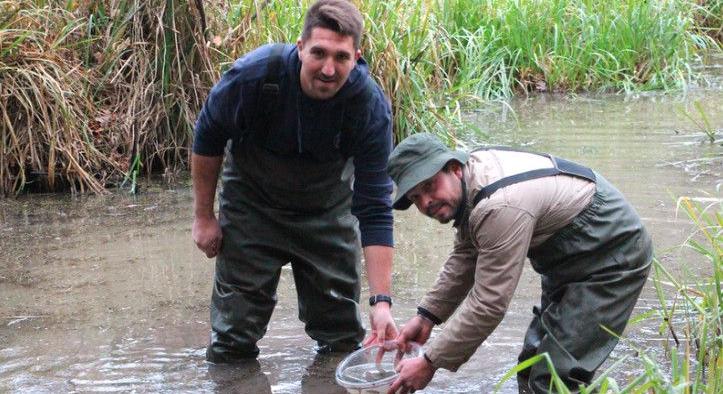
{"x": 434, "y": 212}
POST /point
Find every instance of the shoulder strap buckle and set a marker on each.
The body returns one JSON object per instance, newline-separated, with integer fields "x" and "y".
{"x": 270, "y": 88}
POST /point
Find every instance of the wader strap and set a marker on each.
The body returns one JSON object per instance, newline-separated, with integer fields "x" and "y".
{"x": 268, "y": 97}
{"x": 270, "y": 88}
{"x": 561, "y": 166}
{"x": 507, "y": 149}
{"x": 271, "y": 110}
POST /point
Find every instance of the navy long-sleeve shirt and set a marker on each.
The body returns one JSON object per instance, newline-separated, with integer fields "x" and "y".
{"x": 225, "y": 116}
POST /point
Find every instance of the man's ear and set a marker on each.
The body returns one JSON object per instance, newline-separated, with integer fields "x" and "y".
{"x": 357, "y": 54}
{"x": 300, "y": 46}
{"x": 456, "y": 169}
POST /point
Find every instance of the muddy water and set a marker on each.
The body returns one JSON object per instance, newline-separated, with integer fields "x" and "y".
{"x": 107, "y": 293}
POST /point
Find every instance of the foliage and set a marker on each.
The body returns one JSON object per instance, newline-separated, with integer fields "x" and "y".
{"x": 702, "y": 122}
{"x": 697, "y": 307}
{"x": 86, "y": 87}
{"x": 708, "y": 16}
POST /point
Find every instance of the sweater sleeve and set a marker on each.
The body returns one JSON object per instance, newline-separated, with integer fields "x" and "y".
{"x": 371, "y": 202}
{"x": 220, "y": 116}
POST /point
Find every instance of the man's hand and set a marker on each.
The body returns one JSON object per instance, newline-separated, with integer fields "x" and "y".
{"x": 382, "y": 324}
{"x": 417, "y": 329}
{"x": 206, "y": 234}
{"x": 414, "y": 374}
{"x": 206, "y": 231}
{"x": 378, "y": 260}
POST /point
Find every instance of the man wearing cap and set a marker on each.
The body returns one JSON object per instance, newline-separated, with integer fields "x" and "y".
{"x": 580, "y": 234}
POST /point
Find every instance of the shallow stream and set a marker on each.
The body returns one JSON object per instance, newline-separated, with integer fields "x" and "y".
{"x": 108, "y": 293}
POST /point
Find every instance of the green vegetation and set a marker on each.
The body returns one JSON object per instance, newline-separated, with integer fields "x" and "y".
{"x": 699, "y": 305}
{"x": 703, "y": 124}
{"x": 693, "y": 315}
{"x": 708, "y": 16}
{"x": 88, "y": 86}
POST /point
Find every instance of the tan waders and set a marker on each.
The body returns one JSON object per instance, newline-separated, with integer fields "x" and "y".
{"x": 592, "y": 273}
{"x": 274, "y": 210}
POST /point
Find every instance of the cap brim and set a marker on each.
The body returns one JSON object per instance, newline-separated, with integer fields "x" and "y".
{"x": 421, "y": 173}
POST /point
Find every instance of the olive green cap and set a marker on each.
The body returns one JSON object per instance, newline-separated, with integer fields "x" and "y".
{"x": 416, "y": 159}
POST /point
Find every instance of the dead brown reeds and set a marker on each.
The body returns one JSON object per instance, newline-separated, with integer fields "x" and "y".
{"x": 90, "y": 91}
{"x": 86, "y": 90}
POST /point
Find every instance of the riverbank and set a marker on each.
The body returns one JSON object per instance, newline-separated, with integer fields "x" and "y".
{"x": 94, "y": 93}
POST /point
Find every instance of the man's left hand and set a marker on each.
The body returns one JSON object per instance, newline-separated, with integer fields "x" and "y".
{"x": 382, "y": 324}
{"x": 414, "y": 374}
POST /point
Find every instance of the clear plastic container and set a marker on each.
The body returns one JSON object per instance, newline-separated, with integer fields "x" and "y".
{"x": 359, "y": 373}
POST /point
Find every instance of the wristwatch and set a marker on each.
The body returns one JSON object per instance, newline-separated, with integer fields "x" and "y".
{"x": 380, "y": 298}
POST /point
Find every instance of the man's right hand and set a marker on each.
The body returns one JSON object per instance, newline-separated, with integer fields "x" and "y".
{"x": 207, "y": 235}
{"x": 417, "y": 329}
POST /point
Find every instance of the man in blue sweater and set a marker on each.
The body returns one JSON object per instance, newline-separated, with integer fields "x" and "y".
{"x": 306, "y": 134}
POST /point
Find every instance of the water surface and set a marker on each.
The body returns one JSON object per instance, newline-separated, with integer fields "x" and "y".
{"x": 108, "y": 293}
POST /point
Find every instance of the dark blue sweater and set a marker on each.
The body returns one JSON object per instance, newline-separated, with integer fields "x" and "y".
{"x": 225, "y": 115}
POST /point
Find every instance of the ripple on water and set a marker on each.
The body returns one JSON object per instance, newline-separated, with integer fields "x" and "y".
{"x": 111, "y": 267}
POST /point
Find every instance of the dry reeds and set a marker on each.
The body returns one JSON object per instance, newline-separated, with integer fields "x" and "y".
{"x": 86, "y": 90}
{"x": 90, "y": 91}
{"x": 43, "y": 102}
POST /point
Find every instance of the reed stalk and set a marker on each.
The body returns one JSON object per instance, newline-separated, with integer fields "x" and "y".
{"x": 87, "y": 86}
{"x": 693, "y": 316}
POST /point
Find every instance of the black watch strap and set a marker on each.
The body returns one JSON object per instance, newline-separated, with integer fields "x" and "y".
{"x": 429, "y": 315}
{"x": 380, "y": 298}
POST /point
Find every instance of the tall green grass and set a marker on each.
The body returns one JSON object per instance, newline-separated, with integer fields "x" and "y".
{"x": 699, "y": 302}
{"x": 708, "y": 16}
{"x": 89, "y": 86}
{"x": 434, "y": 58}
{"x": 692, "y": 314}
{"x": 701, "y": 120}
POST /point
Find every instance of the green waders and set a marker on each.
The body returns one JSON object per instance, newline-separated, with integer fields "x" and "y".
{"x": 592, "y": 273}
{"x": 277, "y": 209}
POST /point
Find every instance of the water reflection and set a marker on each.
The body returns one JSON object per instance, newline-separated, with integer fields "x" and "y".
{"x": 240, "y": 378}
{"x": 319, "y": 376}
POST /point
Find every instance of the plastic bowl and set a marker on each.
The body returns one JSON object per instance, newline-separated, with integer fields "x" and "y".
{"x": 359, "y": 373}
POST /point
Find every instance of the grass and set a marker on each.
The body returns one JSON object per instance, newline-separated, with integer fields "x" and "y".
{"x": 88, "y": 86}
{"x": 700, "y": 119}
{"x": 436, "y": 58}
{"x": 708, "y": 15}
{"x": 696, "y": 310}
{"x": 693, "y": 318}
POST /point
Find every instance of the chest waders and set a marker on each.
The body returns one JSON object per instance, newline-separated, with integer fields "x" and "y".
{"x": 278, "y": 208}
{"x": 592, "y": 272}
